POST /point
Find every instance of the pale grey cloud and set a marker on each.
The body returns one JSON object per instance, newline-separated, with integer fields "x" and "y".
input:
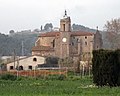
{"x": 30, "y": 14}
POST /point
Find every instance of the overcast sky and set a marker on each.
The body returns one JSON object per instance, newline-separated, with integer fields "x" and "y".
{"x": 21, "y": 15}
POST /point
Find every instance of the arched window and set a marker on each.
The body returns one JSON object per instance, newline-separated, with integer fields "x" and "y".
{"x": 20, "y": 67}
{"x": 35, "y": 59}
{"x": 63, "y": 27}
{"x": 85, "y": 37}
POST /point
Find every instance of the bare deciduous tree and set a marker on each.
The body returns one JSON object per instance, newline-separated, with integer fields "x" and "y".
{"x": 112, "y": 29}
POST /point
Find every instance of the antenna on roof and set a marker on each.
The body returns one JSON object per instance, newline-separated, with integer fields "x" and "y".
{"x": 22, "y": 48}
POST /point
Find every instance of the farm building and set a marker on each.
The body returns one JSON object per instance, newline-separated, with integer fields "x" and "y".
{"x": 27, "y": 63}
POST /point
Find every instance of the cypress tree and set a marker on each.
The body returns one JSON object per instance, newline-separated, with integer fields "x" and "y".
{"x": 106, "y": 67}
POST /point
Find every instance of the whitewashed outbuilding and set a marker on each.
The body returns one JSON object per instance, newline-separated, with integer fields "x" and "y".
{"x": 27, "y": 63}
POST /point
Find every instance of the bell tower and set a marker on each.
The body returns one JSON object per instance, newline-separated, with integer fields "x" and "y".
{"x": 65, "y": 23}
{"x": 65, "y": 31}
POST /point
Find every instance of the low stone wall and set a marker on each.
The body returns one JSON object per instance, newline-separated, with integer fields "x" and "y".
{"x": 34, "y": 73}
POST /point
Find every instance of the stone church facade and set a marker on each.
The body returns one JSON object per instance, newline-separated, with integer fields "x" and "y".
{"x": 65, "y": 43}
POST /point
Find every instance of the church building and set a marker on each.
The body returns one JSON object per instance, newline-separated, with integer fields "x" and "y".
{"x": 67, "y": 43}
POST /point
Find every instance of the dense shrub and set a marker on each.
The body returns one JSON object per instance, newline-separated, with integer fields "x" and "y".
{"x": 8, "y": 77}
{"x": 53, "y": 77}
{"x": 106, "y": 67}
{"x": 61, "y": 77}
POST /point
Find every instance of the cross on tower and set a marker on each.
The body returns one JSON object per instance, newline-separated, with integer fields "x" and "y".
{"x": 65, "y": 14}
{"x": 97, "y": 28}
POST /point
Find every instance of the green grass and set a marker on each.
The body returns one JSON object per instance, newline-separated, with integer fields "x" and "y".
{"x": 73, "y": 86}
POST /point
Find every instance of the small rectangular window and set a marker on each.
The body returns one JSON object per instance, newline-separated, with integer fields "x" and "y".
{"x": 85, "y": 43}
{"x": 72, "y": 43}
{"x": 85, "y": 37}
{"x": 30, "y": 67}
{"x": 11, "y": 67}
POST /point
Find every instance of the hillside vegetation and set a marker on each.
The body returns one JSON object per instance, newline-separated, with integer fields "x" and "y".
{"x": 17, "y": 41}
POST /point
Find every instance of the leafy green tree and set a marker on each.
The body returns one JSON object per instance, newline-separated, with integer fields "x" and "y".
{"x": 11, "y": 32}
{"x": 48, "y": 26}
{"x": 52, "y": 60}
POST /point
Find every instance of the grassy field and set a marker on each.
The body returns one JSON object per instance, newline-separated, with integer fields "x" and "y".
{"x": 72, "y": 86}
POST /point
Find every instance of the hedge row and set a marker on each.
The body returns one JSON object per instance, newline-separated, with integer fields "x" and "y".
{"x": 106, "y": 67}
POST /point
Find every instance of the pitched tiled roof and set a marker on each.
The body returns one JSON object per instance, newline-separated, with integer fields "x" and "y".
{"x": 80, "y": 33}
{"x": 49, "y": 34}
{"x": 22, "y": 58}
{"x": 42, "y": 48}
{"x": 76, "y": 33}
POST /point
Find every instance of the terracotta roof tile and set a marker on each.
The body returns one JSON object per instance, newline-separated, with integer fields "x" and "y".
{"x": 42, "y": 48}
{"x": 49, "y": 34}
{"x": 80, "y": 33}
{"x": 76, "y": 33}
